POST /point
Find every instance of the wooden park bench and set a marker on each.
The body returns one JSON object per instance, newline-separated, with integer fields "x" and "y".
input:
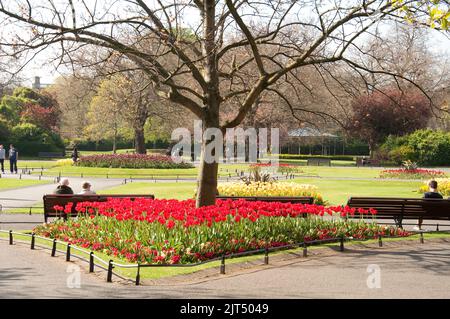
{"x": 367, "y": 162}
{"x": 318, "y": 161}
{"x": 50, "y": 154}
{"x": 399, "y": 209}
{"x": 292, "y": 200}
{"x": 51, "y": 200}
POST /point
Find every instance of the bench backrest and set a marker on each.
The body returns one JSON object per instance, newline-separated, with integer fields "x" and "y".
{"x": 50, "y": 154}
{"x": 367, "y": 161}
{"x": 318, "y": 161}
{"x": 293, "y": 200}
{"x": 62, "y": 199}
{"x": 405, "y": 207}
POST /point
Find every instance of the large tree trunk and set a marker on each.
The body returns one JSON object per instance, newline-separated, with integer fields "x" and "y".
{"x": 371, "y": 149}
{"x": 115, "y": 142}
{"x": 139, "y": 139}
{"x": 207, "y": 173}
{"x": 207, "y": 181}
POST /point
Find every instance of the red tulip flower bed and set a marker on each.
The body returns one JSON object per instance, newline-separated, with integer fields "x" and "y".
{"x": 130, "y": 161}
{"x": 416, "y": 173}
{"x": 172, "y": 231}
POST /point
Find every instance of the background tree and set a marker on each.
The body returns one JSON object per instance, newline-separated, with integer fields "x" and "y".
{"x": 393, "y": 112}
{"x": 106, "y": 114}
{"x": 74, "y": 94}
{"x": 203, "y": 72}
{"x": 132, "y": 93}
{"x": 30, "y": 118}
{"x": 28, "y": 106}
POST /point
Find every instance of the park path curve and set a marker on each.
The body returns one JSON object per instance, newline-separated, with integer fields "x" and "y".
{"x": 32, "y": 195}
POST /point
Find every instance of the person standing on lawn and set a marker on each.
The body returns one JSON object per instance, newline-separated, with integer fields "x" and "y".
{"x": 432, "y": 193}
{"x": 2, "y": 158}
{"x": 13, "y": 157}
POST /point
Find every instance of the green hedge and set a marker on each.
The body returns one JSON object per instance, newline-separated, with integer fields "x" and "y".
{"x": 108, "y": 145}
{"x": 33, "y": 148}
{"x": 426, "y": 147}
{"x": 338, "y": 147}
{"x": 305, "y": 157}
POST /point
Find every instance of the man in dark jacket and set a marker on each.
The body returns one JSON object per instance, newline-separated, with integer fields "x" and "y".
{"x": 13, "y": 157}
{"x": 432, "y": 193}
{"x": 63, "y": 187}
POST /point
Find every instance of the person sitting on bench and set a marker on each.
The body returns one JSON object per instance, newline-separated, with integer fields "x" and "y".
{"x": 63, "y": 187}
{"x": 86, "y": 189}
{"x": 432, "y": 193}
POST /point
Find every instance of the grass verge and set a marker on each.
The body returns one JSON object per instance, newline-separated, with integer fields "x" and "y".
{"x": 8, "y": 183}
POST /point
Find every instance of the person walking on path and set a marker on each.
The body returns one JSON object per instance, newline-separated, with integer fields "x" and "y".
{"x": 13, "y": 157}
{"x": 63, "y": 187}
{"x": 2, "y": 158}
{"x": 75, "y": 154}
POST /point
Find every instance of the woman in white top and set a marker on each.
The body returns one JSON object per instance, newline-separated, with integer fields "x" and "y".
{"x": 86, "y": 189}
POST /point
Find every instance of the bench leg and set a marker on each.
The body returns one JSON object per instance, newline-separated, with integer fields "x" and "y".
{"x": 398, "y": 222}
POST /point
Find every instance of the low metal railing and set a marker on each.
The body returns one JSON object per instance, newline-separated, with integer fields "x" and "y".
{"x": 109, "y": 266}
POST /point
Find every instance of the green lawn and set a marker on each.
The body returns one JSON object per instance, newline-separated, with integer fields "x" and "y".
{"x": 224, "y": 170}
{"x": 7, "y": 183}
{"x": 352, "y": 172}
{"x": 102, "y": 172}
{"x": 35, "y": 164}
{"x": 182, "y": 190}
{"x": 336, "y": 192}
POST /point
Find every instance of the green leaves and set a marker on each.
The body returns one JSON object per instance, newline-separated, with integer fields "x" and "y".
{"x": 438, "y": 12}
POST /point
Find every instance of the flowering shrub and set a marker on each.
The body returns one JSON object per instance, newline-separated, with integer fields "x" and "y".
{"x": 64, "y": 162}
{"x": 130, "y": 161}
{"x": 418, "y": 173}
{"x": 443, "y": 186}
{"x": 270, "y": 189}
{"x": 172, "y": 231}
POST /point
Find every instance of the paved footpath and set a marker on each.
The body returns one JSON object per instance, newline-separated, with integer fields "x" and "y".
{"x": 406, "y": 271}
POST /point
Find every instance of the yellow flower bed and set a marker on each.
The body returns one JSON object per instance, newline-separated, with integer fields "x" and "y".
{"x": 64, "y": 162}
{"x": 443, "y": 186}
{"x": 270, "y": 189}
